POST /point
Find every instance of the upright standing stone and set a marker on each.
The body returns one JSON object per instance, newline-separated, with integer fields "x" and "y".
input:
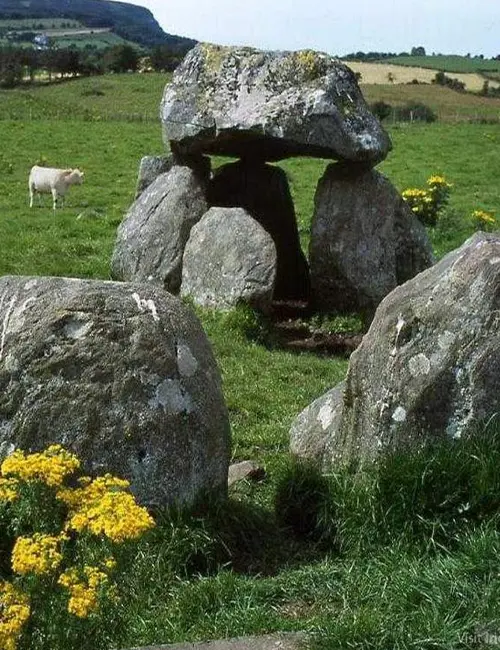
{"x": 263, "y": 191}
{"x": 151, "y": 239}
{"x": 150, "y": 168}
{"x": 365, "y": 240}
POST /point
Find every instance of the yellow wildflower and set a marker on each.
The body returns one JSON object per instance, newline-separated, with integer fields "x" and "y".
{"x": 90, "y": 490}
{"x": 436, "y": 180}
{"x": 115, "y": 515}
{"x": 83, "y": 589}
{"x": 51, "y": 466}
{"x": 103, "y": 507}
{"x": 8, "y": 489}
{"x": 484, "y": 217}
{"x": 14, "y": 612}
{"x": 38, "y": 554}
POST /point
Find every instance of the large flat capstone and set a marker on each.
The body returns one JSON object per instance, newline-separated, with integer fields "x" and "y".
{"x": 249, "y": 103}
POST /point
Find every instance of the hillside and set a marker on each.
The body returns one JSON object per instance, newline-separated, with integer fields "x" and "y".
{"x": 131, "y": 22}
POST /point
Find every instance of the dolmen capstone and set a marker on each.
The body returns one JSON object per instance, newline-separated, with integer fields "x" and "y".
{"x": 121, "y": 374}
{"x": 261, "y": 107}
{"x": 428, "y": 368}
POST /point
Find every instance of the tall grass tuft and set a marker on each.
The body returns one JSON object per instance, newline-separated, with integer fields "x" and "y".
{"x": 304, "y": 505}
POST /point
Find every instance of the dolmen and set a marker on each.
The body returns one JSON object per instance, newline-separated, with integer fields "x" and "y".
{"x": 260, "y": 107}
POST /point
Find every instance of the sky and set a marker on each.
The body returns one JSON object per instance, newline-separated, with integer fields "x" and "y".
{"x": 337, "y": 26}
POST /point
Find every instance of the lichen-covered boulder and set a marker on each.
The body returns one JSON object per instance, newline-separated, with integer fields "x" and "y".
{"x": 263, "y": 191}
{"x": 249, "y": 103}
{"x": 429, "y": 366}
{"x": 121, "y": 374}
{"x": 151, "y": 239}
{"x": 229, "y": 259}
{"x": 365, "y": 240}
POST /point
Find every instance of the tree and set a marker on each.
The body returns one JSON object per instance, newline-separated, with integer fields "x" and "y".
{"x": 67, "y": 62}
{"x": 11, "y": 68}
{"x": 163, "y": 59}
{"x": 418, "y": 51}
{"x": 121, "y": 58}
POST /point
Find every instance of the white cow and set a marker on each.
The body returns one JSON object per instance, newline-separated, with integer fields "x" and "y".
{"x": 56, "y": 181}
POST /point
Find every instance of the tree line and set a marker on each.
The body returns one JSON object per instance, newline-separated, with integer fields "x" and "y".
{"x": 20, "y": 65}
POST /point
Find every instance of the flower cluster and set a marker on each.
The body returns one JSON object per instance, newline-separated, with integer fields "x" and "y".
{"x": 8, "y": 489}
{"x": 84, "y": 587}
{"x": 39, "y": 554}
{"x": 427, "y": 203}
{"x": 484, "y": 220}
{"x": 89, "y": 518}
{"x": 114, "y": 515}
{"x": 103, "y": 507}
{"x": 14, "y": 612}
{"x": 51, "y": 466}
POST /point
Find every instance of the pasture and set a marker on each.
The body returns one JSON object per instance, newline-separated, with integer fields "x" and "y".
{"x": 380, "y": 73}
{"x": 239, "y": 570}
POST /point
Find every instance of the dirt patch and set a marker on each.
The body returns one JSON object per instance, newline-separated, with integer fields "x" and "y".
{"x": 289, "y": 328}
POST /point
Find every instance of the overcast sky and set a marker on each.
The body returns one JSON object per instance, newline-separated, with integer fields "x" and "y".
{"x": 335, "y": 26}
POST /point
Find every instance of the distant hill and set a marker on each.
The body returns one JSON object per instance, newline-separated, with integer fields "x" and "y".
{"x": 131, "y": 22}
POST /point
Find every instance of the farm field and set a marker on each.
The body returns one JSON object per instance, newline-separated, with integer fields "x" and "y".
{"x": 378, "y": 73}
{"x": 240, "y": 570}
{"x": 449, "y": 63}
{"x": 63, "y": 33}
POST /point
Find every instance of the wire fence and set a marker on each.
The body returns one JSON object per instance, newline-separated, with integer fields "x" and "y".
{"x": 34, "y": 114}
{"x": 38, "y": 115}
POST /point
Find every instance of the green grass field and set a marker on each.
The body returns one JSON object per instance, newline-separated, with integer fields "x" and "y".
{"x": 384, "y": 576}
{"x": 110, "y": 97}
{"x": 448, "y": 105}
{"x": 448, "y": 63}
{"x": 98, "y": 40}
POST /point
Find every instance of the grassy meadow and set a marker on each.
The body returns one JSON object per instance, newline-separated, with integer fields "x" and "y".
{"x": 388, "y": 562}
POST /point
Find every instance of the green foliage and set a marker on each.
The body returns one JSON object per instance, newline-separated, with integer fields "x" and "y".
{"x": 414, "y": 112}
{"x": 245, "y": 322}
{"x": 381, "y": 109}
{"x": 443, "y": 80}
{"x": 304, "y": 505}
{"x": 435, "y": 493}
